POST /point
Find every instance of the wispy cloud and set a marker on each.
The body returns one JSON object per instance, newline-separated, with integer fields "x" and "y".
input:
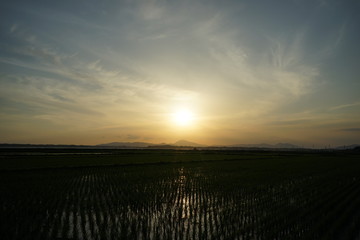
{"x": 61, "y": 84}
{"x": 350, "y": 129}
{"x": 13, "y": 28}
{"x": 151, "y": 9}
{"x": 269, "y": 76}
{"x": 295, "y": 122}
{"x": 350, "y": 105}
{"x": 335, "y": 39}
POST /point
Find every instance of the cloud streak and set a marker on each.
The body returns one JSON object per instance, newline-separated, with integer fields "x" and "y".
{"x": 344, "y": 106}
{"x": 350, "y": 129}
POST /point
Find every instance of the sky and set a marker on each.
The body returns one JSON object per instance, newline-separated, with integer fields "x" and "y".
{"x": 251, "y": 71}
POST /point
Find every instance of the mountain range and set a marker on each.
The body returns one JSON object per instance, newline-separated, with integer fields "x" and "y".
{"x": 180, "y": 143}
{"x": 185, "y": 143}
{"x": 265, "y": 145}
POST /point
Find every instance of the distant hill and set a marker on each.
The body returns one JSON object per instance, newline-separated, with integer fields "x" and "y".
{"x": 352, "y": 146}
{"x": 286, "y": 145}
{"x": 265, "y": 145}
{"x": 125, "y": 144}
{"x": 184, "y": 143}
{"x": 180, "y": 143}
{"x": 16, "y": 145}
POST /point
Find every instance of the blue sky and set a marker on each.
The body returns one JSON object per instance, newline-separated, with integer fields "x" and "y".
{"x": 88, "y": 72}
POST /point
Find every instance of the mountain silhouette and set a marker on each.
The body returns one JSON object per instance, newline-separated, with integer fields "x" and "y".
{"x": 186, "y": 143}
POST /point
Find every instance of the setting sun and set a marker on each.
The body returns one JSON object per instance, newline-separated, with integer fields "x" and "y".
{"x": 183, "y": 117}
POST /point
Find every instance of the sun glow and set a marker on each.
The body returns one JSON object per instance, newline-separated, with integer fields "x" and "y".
{"x": 183, "y": 117}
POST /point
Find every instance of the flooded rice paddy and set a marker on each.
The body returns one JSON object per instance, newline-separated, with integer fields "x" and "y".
{"x": 254, "y": 199}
